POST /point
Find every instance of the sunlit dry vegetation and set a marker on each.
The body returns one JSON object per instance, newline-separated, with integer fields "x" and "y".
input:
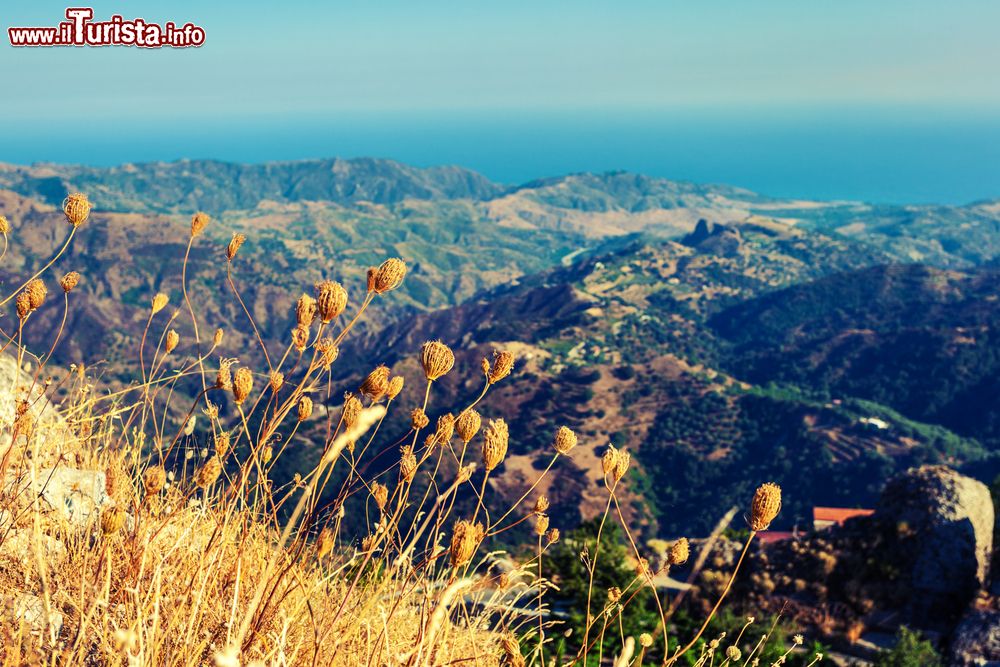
{"x": 141, "y": 523}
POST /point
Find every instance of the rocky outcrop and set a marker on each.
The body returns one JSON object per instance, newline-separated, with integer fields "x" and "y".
{"x": 976, "y": 641}
{"x": 945, "y": 523}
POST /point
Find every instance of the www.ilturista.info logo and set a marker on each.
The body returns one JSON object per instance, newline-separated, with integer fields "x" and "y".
{"x": 80, "y": 30}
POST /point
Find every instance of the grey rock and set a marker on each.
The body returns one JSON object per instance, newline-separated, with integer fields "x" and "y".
{"x": 20, "y": 544}
{"x": 950, "y": 520}
{"x": 976, "y": 641}
{"x": 77, "y": 495}
{"x": 30, "y": 609}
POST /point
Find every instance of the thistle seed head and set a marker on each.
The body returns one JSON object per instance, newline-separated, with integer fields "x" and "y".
{"x": 621, "y": 464}
{"x": 437, "y": 359}
{"x": 418, "y": 419}
{"x": 328, "y": 352}
{"x": 331, "y": 300}
{"x": 565, "y": 440}
{"x": 395, "y": 386}
{"x": 467, "y": 425}
{"x": 305, "y": 408}
{"x": 445, "y": 429}
{"x": 464, "y": 542}
{"x": 541, "y": 505}
{"x": 609, "y": 461}
{"x": 242, "y": 384}
{"x": 305, "y": 310}
{"x": 209, "y": 472}
{"x": 389, "y": 275}
{"x": 765, "y": 506}
{"x": 552, "y": 536}
{"x": 154, "y": 479}
{"x": 495, "y": 439}
{"x": 376, "y": 384}
{"x": 380, "y": 492}
{"x": 276, "y": 381}
{"x": 324, "y": 543}
{"x": 679, "y": 552}
{"x": 222, "y": 444}
{"x": 541, "y": 524}
{"x": 112, "y": 520}
{"x": 23, "y": 305}
{"x": 352, "y": 410}
{"x": 173, "y": 338}
{"x": 69, "y": 281}
{"x": 36, "y": 291}
{"x": 224, "y": 378}
{"x": 76, "y": 208}
{"x": 159, "y": 302}
{"x": 407, "y": 464}
{"x": 234, "y": 246}
{"x": 198, "y": 223}
{"x": 503, "y": 364}
{"x": 300, "y": 337}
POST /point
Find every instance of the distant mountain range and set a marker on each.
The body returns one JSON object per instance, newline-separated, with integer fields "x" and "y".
{"x": 723, "y": 336}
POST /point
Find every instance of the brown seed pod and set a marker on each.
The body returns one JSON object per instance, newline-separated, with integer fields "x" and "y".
{"x": 445, "y": 429}
{"x": 565, "y": 440}
{"x": 376, "y": 384}
{"x": 242, "y": 384}
{"x": 552, "y": 536}
{"x": 418, "y": 419}
{"x": 36, "y": 291}
{"x": 765, "y": 506}
{"x": 324, "y": 543}
{"x": 512, "y": 650}
{"x": 23, "y": 305}
{"x": 217, "y": 337}
{"x": 198, "y": 223}
{"x": 407, "y": 464}
{"x": 234, "y": 246}
{"x": 503, "y": 364}
{"x": 331, "y": 300}
{"x": 467, "y": 425}
{"x": 380, "y": 492}
{"x": 437, "y": 359}
{"x": 464, "y": 542}
{"x": 495, "y": 439}
{"x": 352, "y": 410}
{"x": 389, "y": 275}
{"x": 679, "y": 552}
{"x": 276, "y": 381}
{"x": 609, "y": 461}
{"x": 69, "y": 281}
{"x": 541, "y": 505}
{"x": 222, "y": 444}
{"x": 112, "y": 520}
{"x": 159, "y": 302}
{"x": 305, "y": 310}
{"x": 4, "y": 225}
{"x": 300, "y": 337}
{"x": 622, "y": 464}
{"x": 395, "y": 386}
{"x": 541, "y": 524}
{"x": 154, "y": 479}
{"x": 328, "y": 352}
{"x": 173, "y": 338}
{"x": 305, "y": 408}
{"x": 372, "y": 275}
{"x": 224, "y": 378}
{"x": 209, "y": 472}
{"x": 76, "y": 208}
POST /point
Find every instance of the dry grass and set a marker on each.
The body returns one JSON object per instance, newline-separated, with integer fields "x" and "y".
{"x": 194, "y": 557}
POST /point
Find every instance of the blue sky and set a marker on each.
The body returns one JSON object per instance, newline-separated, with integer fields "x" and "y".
{"x": 295, "y": 79}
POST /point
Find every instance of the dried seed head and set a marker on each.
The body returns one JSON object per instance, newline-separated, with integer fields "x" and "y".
{"x": 541, "y": 505}
{"x": 300, "y": 337}
{"x": 222, "y": 444}
{"x": 734, "y": 654}
{"x": 159, "y": 302}
{"x": 305, "y": 310}
{"x": 112, "y": 520}
{"x": 503, "y": 364}
{"x": 407, "y": 464}
{"x": 511, "y": 650}
{"x": 4, "y": 225}
{"x": 24, "y": 420}
{"x": 173, "y": 338}
{"x": 552, "y": 536}
{"x": 622, "y": 464}
{"x": 765, "y": 506}
{"x": 541, "y": 524}
{"x": 305, "y": 408}
{"x": 234, "y": 246}
{"x": 331, "y": 300}
{"x": 467, "y": 425}
{"x": 437, "y": 359}
{"x": 395, "y": 386}
{"x": 645, "y": 640}
{"x": 36, "y": 291}
{"x": 445, "y": 429}
{"x": 464, "y": 542}
{"x": 380, "y": 492}
{"x": 352, "y": 410}
{"x": 267, "y": 454}
{"x": 154, "y": 479}
{"x": 198, "y": 223}
{"x": 276, "y": 381}
{"x": 372, "y": 274}
{"x": 328, "y": 352}
{"x": 217, "y": 337}
{"x": 389, "y": 275}
{"x": 418, "y": 419}
{"x": 465, "y": 473}
{"x": 495, "y": 439}
{"x": 76, "y": 207}
{"x": 224, "y": 378}
{"x": 209, "y": 472}
{"x": 376, "y": 384}
{"x": 111, "y": 479}
{"x": 642, "y": 568}
{"x": 23, "y": 305}
{"x": 565, "y": 440}
{"x": 324, "y": 543}
{"x": 69, "y": 281}
{"x": 242, "y": 384}
{"x": 679, "y": 552}
{"x": 614, "y": 595}
{"x": 610, "y": 460}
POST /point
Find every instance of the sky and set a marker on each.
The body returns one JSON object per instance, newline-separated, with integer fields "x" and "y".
{"x": 298, "y": 79}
